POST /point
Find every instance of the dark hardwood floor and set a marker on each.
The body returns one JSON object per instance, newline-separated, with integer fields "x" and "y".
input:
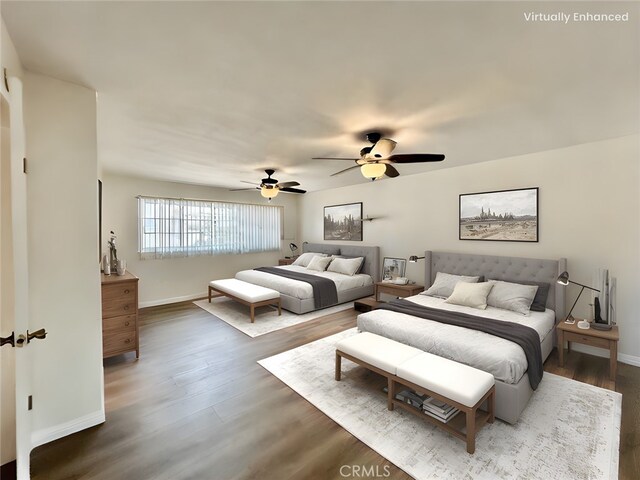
{"x": 198, "y": 406}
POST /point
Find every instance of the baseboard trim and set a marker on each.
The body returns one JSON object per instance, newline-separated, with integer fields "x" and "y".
{"x": 46, "y": 435}
{"x": 599, "y": 352}
{"x": 166, "y": 301}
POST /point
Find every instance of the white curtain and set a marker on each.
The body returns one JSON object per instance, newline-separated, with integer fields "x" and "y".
{"x": 170, "y": 227}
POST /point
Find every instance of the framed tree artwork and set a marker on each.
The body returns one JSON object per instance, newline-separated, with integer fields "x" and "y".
{"x": 504, "y": 215}
{"x": 343, "y": 222}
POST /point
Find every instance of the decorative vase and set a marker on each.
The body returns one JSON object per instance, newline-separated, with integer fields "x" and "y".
{"x": 121, "y": 267}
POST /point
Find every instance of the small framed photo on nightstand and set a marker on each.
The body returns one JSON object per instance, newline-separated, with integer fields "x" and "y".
{"x": 393, "y": 268}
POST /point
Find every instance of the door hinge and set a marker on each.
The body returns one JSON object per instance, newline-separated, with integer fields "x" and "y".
{"x": 30, "y": 402}
{"x": 24, "y": 165}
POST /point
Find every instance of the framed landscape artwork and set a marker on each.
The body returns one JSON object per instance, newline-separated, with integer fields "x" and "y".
{"x": 343, "y": 222}
{"x": 505, "y": 216}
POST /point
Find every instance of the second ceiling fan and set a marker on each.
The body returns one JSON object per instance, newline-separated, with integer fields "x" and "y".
{"x": 376, "y": 160}
{"x": 270, "y": 187}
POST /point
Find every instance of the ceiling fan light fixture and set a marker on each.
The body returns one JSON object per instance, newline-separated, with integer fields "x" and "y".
{"x": 269, "y": 192}
{"x": 373, "y": 171}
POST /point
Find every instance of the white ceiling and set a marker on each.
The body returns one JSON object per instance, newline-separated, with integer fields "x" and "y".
{"x": 213, "y": 93}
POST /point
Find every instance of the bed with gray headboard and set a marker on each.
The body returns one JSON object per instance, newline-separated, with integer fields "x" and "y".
{"x": 371, "y": 266}
{"x": 511, "y": 396}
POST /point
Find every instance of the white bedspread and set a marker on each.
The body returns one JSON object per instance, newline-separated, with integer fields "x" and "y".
{"x": 298, "y": 289}
{"x": 502, "y": 358}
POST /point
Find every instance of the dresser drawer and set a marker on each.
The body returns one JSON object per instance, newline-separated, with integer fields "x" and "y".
{"x": 118, "y": 291}
{"x": 119, "y": 324}
{"x": 586, "y": 339}
{"x": 118, "y": 342}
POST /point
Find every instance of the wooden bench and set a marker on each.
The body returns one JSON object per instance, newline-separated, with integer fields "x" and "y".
{"x": 245, "y": 293}
{"x": 464, "y": 387}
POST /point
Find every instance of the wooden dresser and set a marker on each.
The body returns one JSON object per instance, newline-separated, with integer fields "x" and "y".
{"x": 119, "y": 315}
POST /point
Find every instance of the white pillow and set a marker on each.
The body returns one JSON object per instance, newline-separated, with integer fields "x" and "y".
{"x": 319, "y": 263}
{"x": 472, "y": 295}
{"x": 346, "y": 266}
{"x": 512, "y": 296}
{"x": 444, "y": 284}
{"x": 304, "y": 259}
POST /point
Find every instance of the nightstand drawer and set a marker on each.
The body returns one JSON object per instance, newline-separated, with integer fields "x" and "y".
{"x": 118, "y": 306}
{"x": 586, "y": 339}
{"x": 121, "y": 323}
{"x": 113, "y": 343}
{"x": 119, "y": 291}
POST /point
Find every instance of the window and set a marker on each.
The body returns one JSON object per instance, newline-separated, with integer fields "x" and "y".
{"x": 169, "y": 227}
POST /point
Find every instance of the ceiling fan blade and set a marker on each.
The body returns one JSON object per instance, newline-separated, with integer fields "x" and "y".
{"x": 345, "y": 170}
{"x": 391, "y": 171}
{"x": 334, "y": 158}
{"x": 416, "y": 158}
{"x": 250, "y": 183}
{"x": 382, "y": 149}
{"x": 243, "y": 189}
{"x": 287, "y": 184}
{"x": 292, "y": 190}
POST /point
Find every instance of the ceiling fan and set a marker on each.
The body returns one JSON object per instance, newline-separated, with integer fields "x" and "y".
{"x": 270, "y": 187}
{"x": 376, "y": 160}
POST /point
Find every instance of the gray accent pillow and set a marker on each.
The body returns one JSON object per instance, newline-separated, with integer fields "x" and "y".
{"x": 444, "y": 284}
{"x": 304, "y": 259}
{"x": 540, "y": 300}
{"x": 346, "y": 266}
{"x": 319, "y": 263}
{"x": 512, "y": 296}
{"x": 472, "y": 295}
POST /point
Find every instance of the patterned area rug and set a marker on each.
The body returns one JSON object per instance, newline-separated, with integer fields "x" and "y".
{"x": 267, "y": 319}
{"x": 569, "y": 430}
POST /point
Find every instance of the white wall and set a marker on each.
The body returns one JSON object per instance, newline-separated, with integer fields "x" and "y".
{"x": 589, "y": 213}
{"x": 176, "y": 279}
{"x": 64, "y": 282}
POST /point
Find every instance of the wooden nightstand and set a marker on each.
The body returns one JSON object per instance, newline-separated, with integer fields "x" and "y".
{"x": 286, "y": 261}
{"x": 397, "y": 290}
{"x": 596, "y": 338}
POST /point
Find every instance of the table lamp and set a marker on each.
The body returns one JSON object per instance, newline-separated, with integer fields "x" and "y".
{"x": 563, "y": 279}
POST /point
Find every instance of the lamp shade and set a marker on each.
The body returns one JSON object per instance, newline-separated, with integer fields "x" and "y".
{"x": 269, "y": 192}
{"x": 293, "y": 247}
{"x": 563, "y": 278}
{"x": 373, "y": 170}
{"x": 414, "y": 258}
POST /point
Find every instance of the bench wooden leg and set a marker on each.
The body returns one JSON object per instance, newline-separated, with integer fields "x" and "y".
{"x": 471, "y": 430}
{"x": 391, "y": 392}
{"x": 338, "y": 366}
{"x": 492, "y": 406}
{"x": 210, "y": 294}
{"x": 279, "y": 308}
{"x": 253, "y": 313}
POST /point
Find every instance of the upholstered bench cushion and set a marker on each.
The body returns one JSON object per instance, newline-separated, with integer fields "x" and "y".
{"x": 246, "y": 291}
{"x": 459, "y": 382}
{"x": 378, "y": 351}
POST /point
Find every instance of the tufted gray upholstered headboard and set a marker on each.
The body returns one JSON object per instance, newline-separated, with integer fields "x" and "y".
{"x": 371, "y": 255}
{"x": 501, "y": 268}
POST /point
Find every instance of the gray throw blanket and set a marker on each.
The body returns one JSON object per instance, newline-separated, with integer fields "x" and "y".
{"x": 524, "y": 336}
{"x": 325, "y": 293}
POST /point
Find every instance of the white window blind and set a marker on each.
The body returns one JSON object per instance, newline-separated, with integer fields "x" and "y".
{"x": 171, "y": 227}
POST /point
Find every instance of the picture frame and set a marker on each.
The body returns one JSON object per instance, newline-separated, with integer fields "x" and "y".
{"x": 343, "y": 222}
{"x": 500, "y": 215}
{"x": 393, "y": 268}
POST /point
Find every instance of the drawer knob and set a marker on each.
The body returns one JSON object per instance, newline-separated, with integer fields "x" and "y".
{"x": 126, "y": 324}
{"x": 126, "y": 291}
{"x": 126, "y": 307}
{"x": 128, "y": 340}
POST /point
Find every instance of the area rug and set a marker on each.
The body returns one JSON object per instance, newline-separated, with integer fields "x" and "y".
{"x": 266, "y": 319}
{"x": 569, "y": 430}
